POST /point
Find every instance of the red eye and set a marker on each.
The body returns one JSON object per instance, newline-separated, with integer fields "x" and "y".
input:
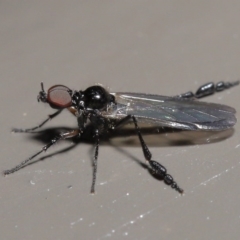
{"x": 59, "y": 96}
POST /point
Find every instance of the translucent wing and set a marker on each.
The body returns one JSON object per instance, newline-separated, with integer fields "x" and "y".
{"x": 172, "y": 111}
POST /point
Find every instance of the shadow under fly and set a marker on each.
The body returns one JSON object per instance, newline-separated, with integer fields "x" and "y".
{"x": 106, "y": 112}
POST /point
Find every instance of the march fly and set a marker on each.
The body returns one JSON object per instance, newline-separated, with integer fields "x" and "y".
{"x": 106, "y": 112}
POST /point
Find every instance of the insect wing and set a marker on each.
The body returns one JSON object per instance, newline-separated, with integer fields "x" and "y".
{"x": 173, "y": 112}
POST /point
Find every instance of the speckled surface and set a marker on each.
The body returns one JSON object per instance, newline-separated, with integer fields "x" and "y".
{"x": 162, "y": 47}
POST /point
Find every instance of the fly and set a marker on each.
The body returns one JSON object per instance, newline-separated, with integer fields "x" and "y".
{"x": 108, "y": 111}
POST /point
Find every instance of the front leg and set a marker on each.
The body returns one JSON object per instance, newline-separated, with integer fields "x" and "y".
{"x": 61, "y": 136}
{"x": 50, "y": 117}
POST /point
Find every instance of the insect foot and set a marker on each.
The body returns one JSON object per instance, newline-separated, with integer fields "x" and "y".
{"x": 161, "y": 171}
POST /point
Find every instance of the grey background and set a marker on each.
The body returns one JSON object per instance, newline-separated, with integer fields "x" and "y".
{"x": 163, "y": 47}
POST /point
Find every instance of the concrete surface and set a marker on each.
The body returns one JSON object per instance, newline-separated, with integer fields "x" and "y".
{"x": 162, "y": 47}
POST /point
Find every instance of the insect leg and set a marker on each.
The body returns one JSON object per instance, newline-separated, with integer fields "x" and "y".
{"x": 44, "y": 149}
{"x": 158, "y": 169}
{"x": 40, "y": 125}
{"x": 95, "y": 161}
{"x": 208, "y": 89}
{"x": 146, "y": 152}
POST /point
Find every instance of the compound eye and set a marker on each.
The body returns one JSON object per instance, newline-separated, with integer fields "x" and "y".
{"x": 59, "y": 96}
